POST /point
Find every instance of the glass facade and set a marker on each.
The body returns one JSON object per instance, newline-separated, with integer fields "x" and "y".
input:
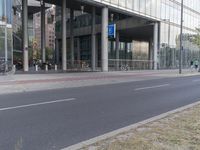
{"x": 150, "y": 8}
{"x": 6, "y": 31}
{"x": 166, "y": 12}
{"x": 132, "y": 50}
{"x": 170, "y": 32}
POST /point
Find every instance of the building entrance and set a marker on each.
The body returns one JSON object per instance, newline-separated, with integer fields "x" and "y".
{"x": 131, "y": 48}
{"x": 82, "y": 43}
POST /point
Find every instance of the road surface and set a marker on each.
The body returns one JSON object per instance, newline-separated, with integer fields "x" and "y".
{"x": 55, "y": 119}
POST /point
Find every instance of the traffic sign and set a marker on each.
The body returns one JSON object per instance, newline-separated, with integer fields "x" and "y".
{"x": 112, "y": 31}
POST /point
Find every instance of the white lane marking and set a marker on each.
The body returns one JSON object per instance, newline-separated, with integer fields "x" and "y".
{"x": 37, "y": 104}
{"x": 151, "y": 87}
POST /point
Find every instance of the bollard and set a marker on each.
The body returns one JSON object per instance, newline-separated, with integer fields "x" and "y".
{"x": 56, "y": 67}
{"x": 46, "y": 67}
{"x": 36, "y": 67}
{"x": 14, "y": 69}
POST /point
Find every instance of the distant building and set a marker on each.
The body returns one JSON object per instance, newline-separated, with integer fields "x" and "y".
{"x": 50, "y": 27}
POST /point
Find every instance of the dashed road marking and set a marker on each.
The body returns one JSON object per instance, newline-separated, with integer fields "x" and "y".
{"x": 151, "y": 87}
{"x": 36, "y": 104}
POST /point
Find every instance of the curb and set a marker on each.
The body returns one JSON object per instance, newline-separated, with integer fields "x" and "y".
{"x": 53, "y": 80}
{"x": 72, "y": 79}
{"x": 126, "y": 129}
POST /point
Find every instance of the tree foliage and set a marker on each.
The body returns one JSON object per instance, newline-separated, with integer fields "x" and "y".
{"x": 196, "y": 38}
{"x": 49, "y": 54}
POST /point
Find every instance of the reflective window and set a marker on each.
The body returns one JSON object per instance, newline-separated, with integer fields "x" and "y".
{"x": 1, "y": 9}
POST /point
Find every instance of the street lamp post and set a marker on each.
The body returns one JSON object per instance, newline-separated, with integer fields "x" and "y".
{"x": 181, "y": 40}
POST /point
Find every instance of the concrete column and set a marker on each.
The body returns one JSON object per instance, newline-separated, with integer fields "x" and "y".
{"x": 6, "y": 39}
{"x": 173, "y": 58}
{"x": 6, "y": 47}
{"x": 43, "y": 39}
{"x": 64, "y": 36}
{"x": 117, "y": 51}
{"x": 151, "y": 53}
{"x": 97, "y": 51}
{"x": 165, "y": 58}
{"x": 126, "y": 51}
{"x": 104, "y": 40}
{"x": 57, "y": 52}
{"x": 155, "y": 45}
{"x": 78, "y": 51}
{"x": 72, "y": 36}
{"x": 25, "y": 34}
{"x": 93, "y": 42}
{"x": 111, "y": 48}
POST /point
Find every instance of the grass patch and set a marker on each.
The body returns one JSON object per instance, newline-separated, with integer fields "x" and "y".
{"x": 180, "y": 131}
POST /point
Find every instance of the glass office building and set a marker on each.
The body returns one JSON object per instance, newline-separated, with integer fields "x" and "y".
{"x": 168, "y": 13}
{"x": 170, "y": 32}
{"x": 136, "y": 48}
{"x": 6, "y": 31}
{"x": 147, "y": 33}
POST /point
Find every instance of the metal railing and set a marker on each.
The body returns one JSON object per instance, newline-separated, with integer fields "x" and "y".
{"x": 85, "y": 66}
{"x": 76, "y": 65}
{"x": 113, "y": 65}
{"x": 125, "y": 65}
{"x": 79, "y": 65}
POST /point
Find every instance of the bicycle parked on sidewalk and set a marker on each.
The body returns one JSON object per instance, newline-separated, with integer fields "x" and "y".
{"x": 6, "y": 69}
{"x": 125, "y": 68}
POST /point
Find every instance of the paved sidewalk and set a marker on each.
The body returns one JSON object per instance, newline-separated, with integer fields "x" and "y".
{"x": 38, "y": 82}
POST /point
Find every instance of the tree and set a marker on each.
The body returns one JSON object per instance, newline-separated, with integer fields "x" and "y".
{"x": 196, "y": 38}
{"x": 49, "y": 54}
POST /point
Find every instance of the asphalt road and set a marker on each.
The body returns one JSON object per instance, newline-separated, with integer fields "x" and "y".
{"x": 54, "y": 119}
